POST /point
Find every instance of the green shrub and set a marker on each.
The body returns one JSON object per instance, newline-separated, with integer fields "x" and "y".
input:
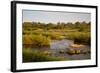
{"x": 40, "y": 40}
{"x": 36, "y": 40}
{"x": 80, "y": 37}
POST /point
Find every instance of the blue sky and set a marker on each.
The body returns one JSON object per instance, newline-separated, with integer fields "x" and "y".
{"x": 54, "y": 17}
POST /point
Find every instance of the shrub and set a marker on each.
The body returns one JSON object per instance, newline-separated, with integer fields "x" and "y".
{"x": 27, "y": 39}
{"x": 80, "y": 37}
{"x": 40, "y": 40}
{"x": 36, "y": 40}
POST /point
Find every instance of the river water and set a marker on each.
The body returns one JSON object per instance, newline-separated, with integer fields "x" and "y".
{"x": 62, "y": 45}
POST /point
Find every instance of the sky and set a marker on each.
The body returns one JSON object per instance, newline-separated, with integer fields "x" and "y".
{"x": 54, "y": 16}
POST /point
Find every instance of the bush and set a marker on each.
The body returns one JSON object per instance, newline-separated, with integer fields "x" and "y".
{"x": 36, "y": 40}
{"x": 27, "y": 39}
{"x": 40, "y": 40}
{"x": 80, "y": 37}
{"x": 83, "y": 38}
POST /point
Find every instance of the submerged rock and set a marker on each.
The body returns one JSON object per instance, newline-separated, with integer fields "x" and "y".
{"x": 75, "y": 49}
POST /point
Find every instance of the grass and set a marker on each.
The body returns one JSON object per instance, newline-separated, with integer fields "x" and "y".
{"x": 38, "y": 56}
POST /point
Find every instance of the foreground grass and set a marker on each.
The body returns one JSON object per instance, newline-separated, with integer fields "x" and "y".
{"x": 37, "y": 56}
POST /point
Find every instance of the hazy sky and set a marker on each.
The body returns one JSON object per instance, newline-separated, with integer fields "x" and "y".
{"x": 54, "y": 17}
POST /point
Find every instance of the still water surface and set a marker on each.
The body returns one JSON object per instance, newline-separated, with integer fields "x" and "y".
{"x": 63, "y": 45}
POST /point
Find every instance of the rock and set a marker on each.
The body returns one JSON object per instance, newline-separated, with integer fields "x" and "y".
{"x": 71, "y": 52}
{"x": 76, "y": 46}
{"x": 77, "y": 52}
{"x": 61, "y": 51}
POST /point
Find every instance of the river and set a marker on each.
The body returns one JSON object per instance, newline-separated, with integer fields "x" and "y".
{"x": 59, "y": 48}
{"x": 62, "y": 45}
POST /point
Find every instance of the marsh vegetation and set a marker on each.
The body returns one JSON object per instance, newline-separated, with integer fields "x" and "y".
{"x": 39, "y": 38}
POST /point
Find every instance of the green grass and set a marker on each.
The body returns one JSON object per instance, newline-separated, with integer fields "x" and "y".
{"x": 37, "y": 56}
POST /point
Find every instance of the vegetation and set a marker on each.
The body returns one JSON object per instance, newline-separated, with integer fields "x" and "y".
{"x": 80, "y": 37}
{"x": 36, "y": 40}
{"x": 40, "y": 35}
{"x": 38, "y": 56}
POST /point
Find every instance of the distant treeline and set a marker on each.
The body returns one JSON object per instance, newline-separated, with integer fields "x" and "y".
{"x": 60, "y": 25}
